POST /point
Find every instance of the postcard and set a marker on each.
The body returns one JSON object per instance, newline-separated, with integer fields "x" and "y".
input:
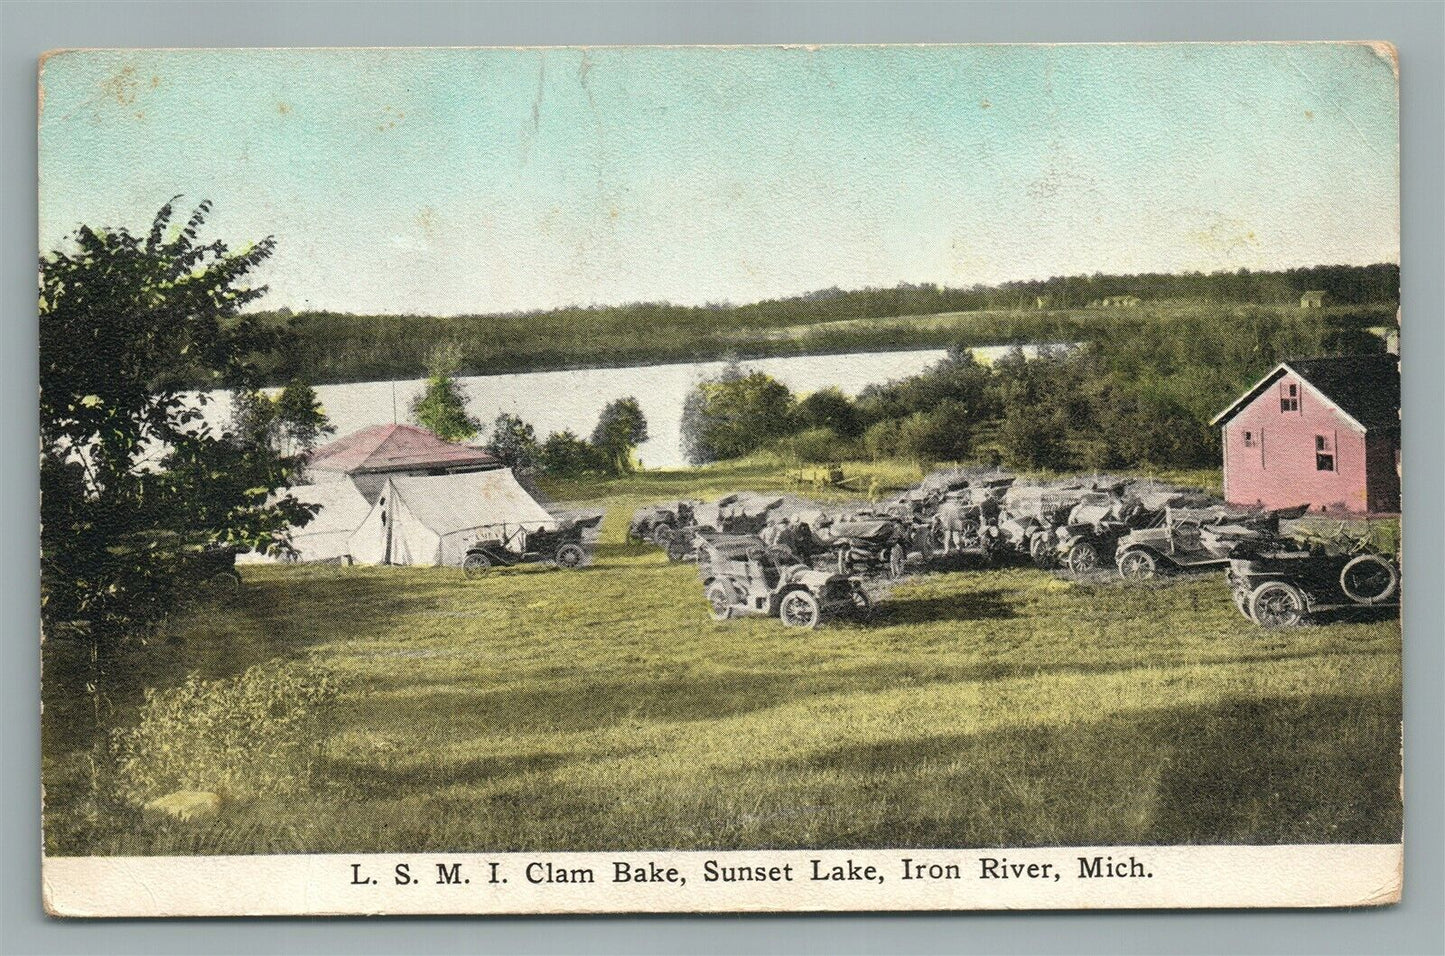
{"x": 720, "y": 479}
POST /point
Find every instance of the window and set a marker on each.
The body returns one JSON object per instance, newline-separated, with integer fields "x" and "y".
{"x": 1289, "y": 398}
{"x": 1324, "y": 453}
{"x": 1249, "y": 439}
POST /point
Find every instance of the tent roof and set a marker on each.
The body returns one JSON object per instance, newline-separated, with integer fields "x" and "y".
{"x": 450, "y": 503}
{"x": 343, "y": 507}
{"x": 396, "y": 448}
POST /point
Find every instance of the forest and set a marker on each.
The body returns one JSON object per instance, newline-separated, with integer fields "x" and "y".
{"x": 331, "y": 347}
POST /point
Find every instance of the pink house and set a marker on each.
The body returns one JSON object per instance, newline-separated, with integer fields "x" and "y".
{"x": 1320, "y": 431}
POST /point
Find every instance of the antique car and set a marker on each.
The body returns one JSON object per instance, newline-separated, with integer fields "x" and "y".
{"x": 562, "y": 546}
{"x": 742, "y": 513}
{"x": 741, "y": 577}
{"x": 966, "y": 520}
{"x": 657, "y": 523}
{"x": 868, "y": 544}
{"x": 1194, "y": 539}
{"x": 1030, "y": 521}
{"x": 1096, "y": 525}
{"x": 1285, "y": 582}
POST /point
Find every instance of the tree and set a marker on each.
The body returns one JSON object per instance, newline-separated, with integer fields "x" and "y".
{"x": 442, "y": 406}
{"x": 830, "y": 408}
{"x": 564, "y": 455}
{"x": 734, "y": 414}
{"x": 290, "y": 424}
{"x": 620, "y": 429}
{"x": 133, "y": 481}
{"x": 513, "y": 442}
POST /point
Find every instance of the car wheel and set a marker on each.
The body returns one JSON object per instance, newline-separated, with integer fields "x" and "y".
{"x": 223, "y": 586}
{"x": 1040, "y": 551}
{"x": 799, "y": 609}
{"x": 1369, "y": 579}
{"x": 476, "y": 564}
{"x": 571, "y": 556}
{"x": 1082, "y": 558}
{"x": 662, "y": 535}
{"x": 720, "y": 605}
{"x": 1136, "y": 564}
{"x": 1276, "y": 604}
{"x": 969, "y": 534}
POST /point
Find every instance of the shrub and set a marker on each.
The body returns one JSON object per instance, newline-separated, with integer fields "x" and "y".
{"x": 815, "y": 446}
{"x": 257, "y": 734}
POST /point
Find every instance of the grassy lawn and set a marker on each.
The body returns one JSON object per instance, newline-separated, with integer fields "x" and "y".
{"x": 601, "y": 709}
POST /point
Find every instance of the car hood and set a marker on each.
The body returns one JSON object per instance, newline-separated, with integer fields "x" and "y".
{"x": 812, "y": 578}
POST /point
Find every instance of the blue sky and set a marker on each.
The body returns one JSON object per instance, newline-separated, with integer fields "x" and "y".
{"x": 455, "y": 181}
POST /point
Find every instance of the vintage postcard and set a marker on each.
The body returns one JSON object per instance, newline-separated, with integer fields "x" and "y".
{"x": 703, "y": 479}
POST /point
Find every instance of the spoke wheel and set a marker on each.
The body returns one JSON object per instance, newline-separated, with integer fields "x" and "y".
{"x": 571, "y": 556}
{"x": 968, "y": 534}
{"x": 1138, "y": 565}
{"x": 476, "y": 564}
{"x": 720, "y": 605}
{"x": 1276, "y": 604}
{"x": 1369, "y": 579}
{"x": 799, "y": 609}
{"x": 1040, "y": 551}
{"x": 1083, "y": 558}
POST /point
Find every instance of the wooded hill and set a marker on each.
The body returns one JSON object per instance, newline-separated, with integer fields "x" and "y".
{"x": 341, "y": 347}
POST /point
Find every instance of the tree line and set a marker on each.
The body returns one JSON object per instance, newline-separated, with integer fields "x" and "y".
{"x": 342, "y": 347}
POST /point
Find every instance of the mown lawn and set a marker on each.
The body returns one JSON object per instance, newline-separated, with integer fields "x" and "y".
{"x": 545, "y": 710}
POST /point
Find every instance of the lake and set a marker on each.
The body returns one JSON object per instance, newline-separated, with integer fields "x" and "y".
{"x": 553, "y": 401}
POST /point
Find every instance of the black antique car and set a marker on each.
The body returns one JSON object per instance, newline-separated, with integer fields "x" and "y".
{"x": 1285, "y": 582}
{"x": 1095, "y": 527}
{"x": 657, "y": 523}
{"x": 868, "y": 544}
{"x": 562, "y": 546}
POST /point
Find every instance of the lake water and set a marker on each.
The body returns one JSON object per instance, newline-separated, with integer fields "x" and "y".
{"x": 552, "y": 401}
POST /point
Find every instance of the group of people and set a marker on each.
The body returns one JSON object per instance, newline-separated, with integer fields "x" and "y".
{"x": 794, "y": 536}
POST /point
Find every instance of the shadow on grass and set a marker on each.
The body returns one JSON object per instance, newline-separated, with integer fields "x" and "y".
{"x": 1276, "y": 770}
{"x": 963, "y": 606}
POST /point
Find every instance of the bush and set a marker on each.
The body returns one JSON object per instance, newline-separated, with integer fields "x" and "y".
{"x": 258, "y": 734}
{"x": 815, "y": 446}
{"x": 564, "y": 455}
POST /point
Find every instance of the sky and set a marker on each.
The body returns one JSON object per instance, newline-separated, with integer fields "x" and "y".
{"x": 491, "y": 180}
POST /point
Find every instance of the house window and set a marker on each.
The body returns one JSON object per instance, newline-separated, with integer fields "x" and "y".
{"x": 1249, "y": 439}
{"x": 1289, "y": 398}
{"x": 1324, "y": 453}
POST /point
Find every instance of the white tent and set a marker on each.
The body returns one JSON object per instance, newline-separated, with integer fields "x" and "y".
{"x": 433, "y": 519}
{"x": 327, "y": 536}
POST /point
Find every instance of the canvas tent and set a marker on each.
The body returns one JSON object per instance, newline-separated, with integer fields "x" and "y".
{"x": 327, "y": 536}
{"x": 432, "y": 519}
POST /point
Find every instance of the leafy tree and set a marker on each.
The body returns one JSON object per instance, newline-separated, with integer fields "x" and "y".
{"x": 291, "y": 424}
{"x": 513, "y": 442}
{"x": 442, "y": 406}
{"x": 830, "y": 408}
{"x": 134, "y": 483}
{"x": 564, "y": 455}
{"x": 734, "y": 414}
{"x": 620, "y": 429}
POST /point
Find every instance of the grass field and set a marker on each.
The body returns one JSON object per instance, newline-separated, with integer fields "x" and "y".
{"x": 544, "y": 710}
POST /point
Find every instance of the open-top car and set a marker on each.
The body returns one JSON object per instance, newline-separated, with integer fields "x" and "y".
{"x": 742, "y": 577}
{"x": 657, "y": 523}
{"x": 1095, "y": 527}
{"x": 1284, "y": 581}
{"x": 561, "y": 545}
{"x": 1192, "y": 538}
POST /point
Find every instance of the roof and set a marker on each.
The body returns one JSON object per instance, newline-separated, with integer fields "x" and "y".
{"x": 383, "y": 448}
{"x": 1366, "y": 388}
{"x": 450, "y": 503}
